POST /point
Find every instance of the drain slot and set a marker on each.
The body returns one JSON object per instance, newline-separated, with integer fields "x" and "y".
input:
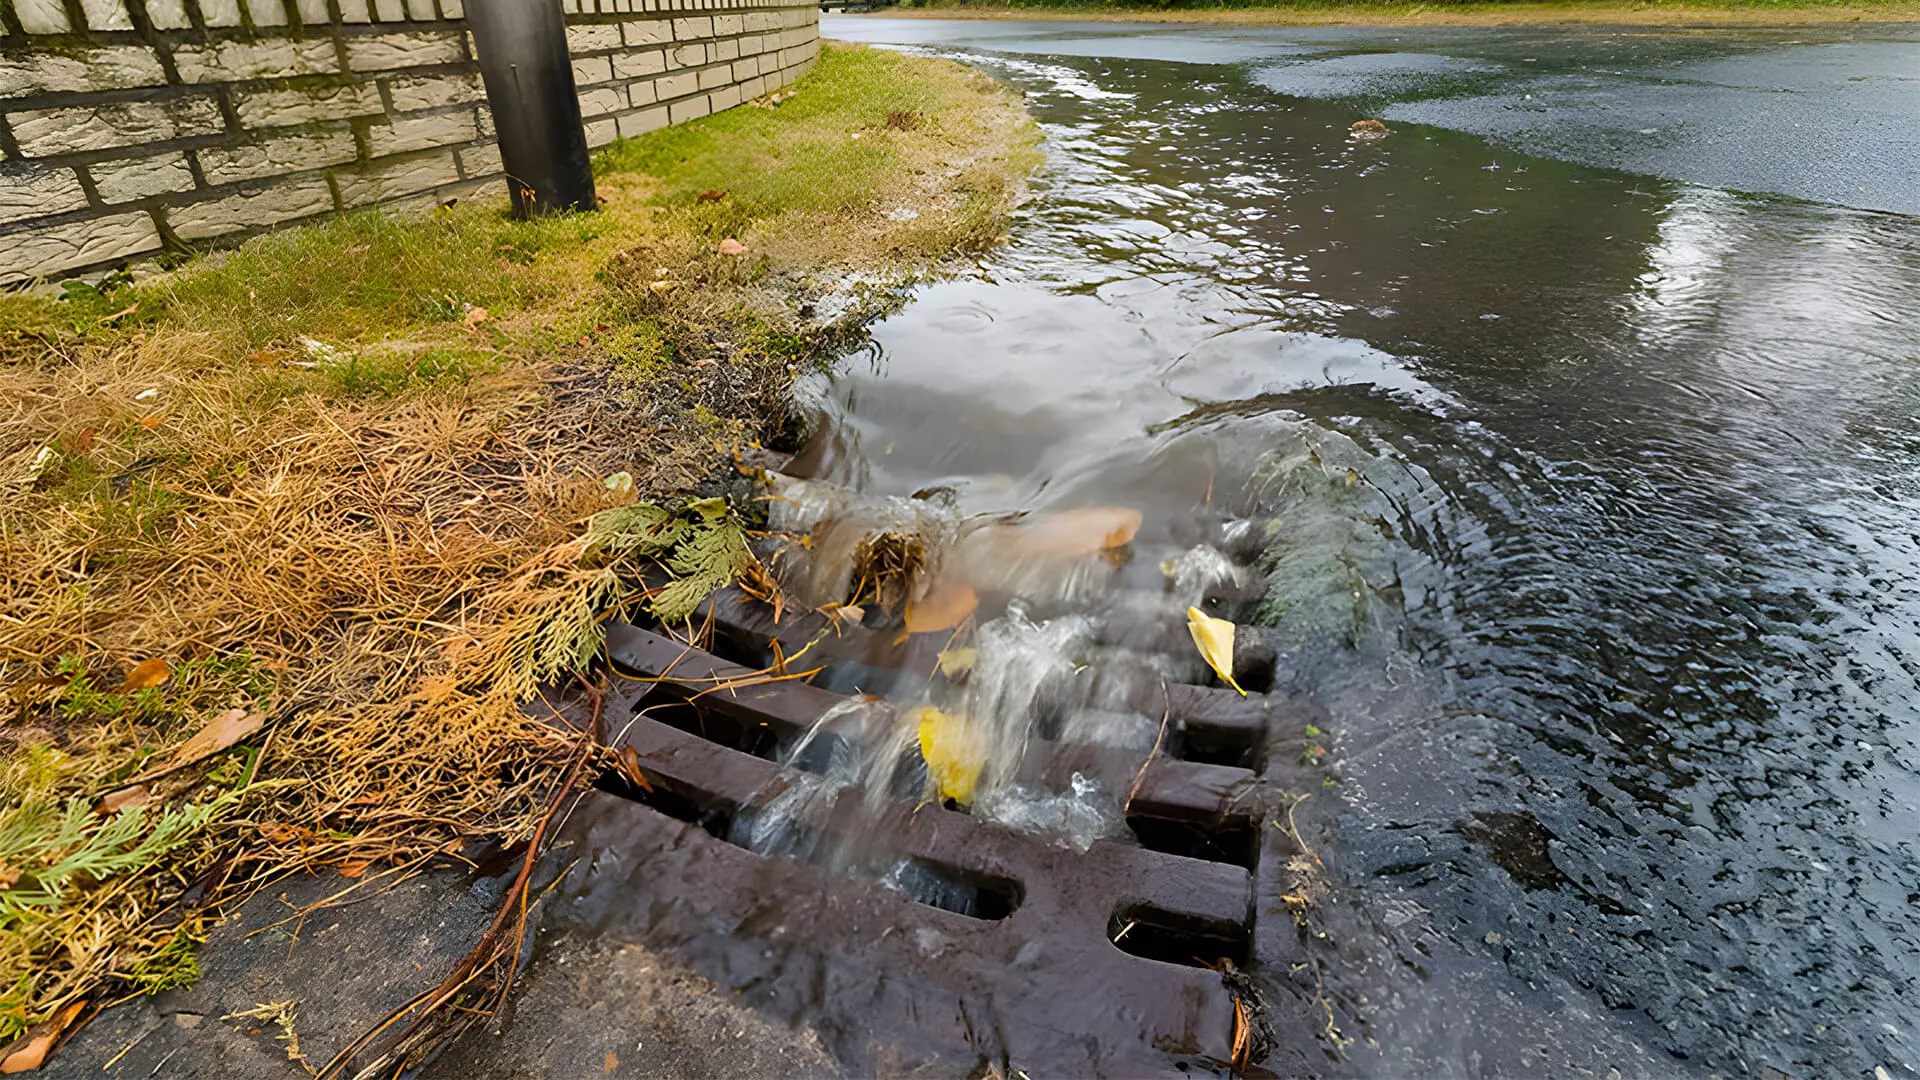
{"x": 1233, "y": 842}
{"x": 1171, "y": 938}
{"x": 692, "y": 807}
{"x": 964, "y": 892}
{"x": 1238, "y": 748}
{"x": 714, "y": 725}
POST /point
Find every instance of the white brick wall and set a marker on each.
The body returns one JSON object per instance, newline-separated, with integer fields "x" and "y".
{"x": 110, "y": 151}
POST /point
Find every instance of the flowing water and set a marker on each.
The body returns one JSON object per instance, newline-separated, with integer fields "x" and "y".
{"x": 1592, "y": 507}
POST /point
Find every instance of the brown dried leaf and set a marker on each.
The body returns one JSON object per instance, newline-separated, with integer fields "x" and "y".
{"x": 730, "y": 246}
{"x": 221, "y": 732}
{"x": 711, "y": 196}
{"x": 476, "y": 316}
{"x": 30, "y": 1051}
{"x": 944, "y": 607}
{"x": 1085, "y": 530}
{"x": 124, "y": 799}
{"x": 145, "y": 675}
{"x": 353, "y": 868}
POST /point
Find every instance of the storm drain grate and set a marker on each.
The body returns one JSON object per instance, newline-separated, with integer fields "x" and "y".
{"x": 993, "y": 948}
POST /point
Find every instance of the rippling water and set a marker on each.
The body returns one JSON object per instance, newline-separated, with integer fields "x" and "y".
{"x": 1599, "y": 540}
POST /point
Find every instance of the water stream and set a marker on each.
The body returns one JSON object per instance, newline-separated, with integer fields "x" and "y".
{"x": 1592, "y": 500}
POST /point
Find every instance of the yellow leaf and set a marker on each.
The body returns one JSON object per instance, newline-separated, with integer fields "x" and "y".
{"x": 944, "y": 607}
{"x": 952, "y": 751}
{"x": 145, "y": 675}
{"x": 1214, "y": 637}
{"x": 955, "y": 662}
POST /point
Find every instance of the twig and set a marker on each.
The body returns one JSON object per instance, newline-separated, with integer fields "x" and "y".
{"x": 1165, "y": 714}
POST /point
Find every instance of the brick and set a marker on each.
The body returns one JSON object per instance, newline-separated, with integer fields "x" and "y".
{"x": 483, "y": 121}
{"x": 391, "y": 180}
{"x": 602, "y": 100}
{"x": 107, "y": 14}
{"x": 390, "y": 10}
{"x": 593, "y": 38}
{"x": 41, "y": 16}
{"x": 714, "y": 78}
{"x": 276, "y": 157}
{"x": 689, "y": 109}
{"x": 283, "y": 108}
{"x": 421, "y": 133}
{"x": 267, "y": 12}
{"x": 251, "y": 209}
{"x": 641, "y": 122}
{"x": 753, "y": 88}
{"x": 729, "y": 24}
{"x": 267, "y": 58}
{"x": 646, "y": 32}
{"x": 692, "y": 29}
{"x": 411, "y": 93}
{"x": 452, "y": 9}
{"x": 313, "y": 12}
{"x": 220, "y": 12}
{"x": 49, "y": 250}
{"x": 421, "y": 10}
{"x": 28, "y": 191}
{"x": 592, "y": 70}
{"x": 114, "y": 68}
{"x": 673, "y": 86}
{"x": 633, "y": 65}
{"x": 685, "y": 56}
{"x": 355, "y": 11}
{"x": 746, "y": 69}
{"x": 723, "y": 50}
{"x": 641, "y": 93}
{"x": 479, "y": 161}
{"x": 384, "y": 52}
{"x": 725, "y": 98}
{"x": 141, "y": 178}
{"x": 44, "y": 132}
{"x": 168, "y": 14}
{"x": 602, "y": 132}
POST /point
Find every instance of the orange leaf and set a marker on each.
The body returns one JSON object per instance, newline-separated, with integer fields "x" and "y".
{"x": 730, "y": 246}
{"x": 610, "y": 1062}
{"x": 30, "y": 1051}
{"x": 944, "y": 607}
{"x": 1085, "y": 530}
{"x": 153, "y": 421}
{"x": 353, "y": 868}
{"x": 145, "y": 675}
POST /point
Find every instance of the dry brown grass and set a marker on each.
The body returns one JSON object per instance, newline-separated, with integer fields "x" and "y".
{"x": 379, "y": 540}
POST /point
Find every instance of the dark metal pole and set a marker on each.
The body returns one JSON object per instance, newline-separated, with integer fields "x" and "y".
{"x": 522, "y": 46}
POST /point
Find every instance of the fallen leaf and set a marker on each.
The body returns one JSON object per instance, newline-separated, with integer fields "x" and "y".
{"x": 1084, "y": 530}
{"x": 1214, "y": 637}
{"x": 145, "y": 675}
{"x": 944, "y": 607}
{"x": 127, "y": 798}
{"x": 221, "y": 732}
{"x": 620, "y": 483}
{"x": 611, "y": 1063}
{"x": 353, "y": 868}
{"x": 953, "y": 752}
{"x": 476, "y": 316}
{"x": 30, "y": 1051}
{"x": 711, "y": 196}
{"x": 661, "y": 286}
{"x": 730, "y": 246}
{"x": 956, "y": 662}
{"x": 1242, "y": 1036}
{"x": 627, "y": 761}
{"x": 153, "y": 420}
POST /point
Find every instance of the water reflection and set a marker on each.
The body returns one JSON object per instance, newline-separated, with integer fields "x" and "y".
{"x": 1597, "y": 498}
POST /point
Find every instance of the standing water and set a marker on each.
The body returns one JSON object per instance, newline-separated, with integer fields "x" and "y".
{"x": 1587, "y": 508}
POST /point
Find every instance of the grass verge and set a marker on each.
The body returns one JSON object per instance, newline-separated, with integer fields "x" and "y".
{"x": 1657, "y": 13}
{"x": 289, "y": 537}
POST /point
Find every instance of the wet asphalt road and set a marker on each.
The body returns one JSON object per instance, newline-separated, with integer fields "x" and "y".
{"x": 1827, "y": 114}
